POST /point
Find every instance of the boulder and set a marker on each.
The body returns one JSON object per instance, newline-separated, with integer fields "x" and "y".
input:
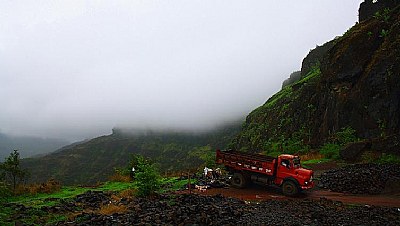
{"x": 353, "y": 151}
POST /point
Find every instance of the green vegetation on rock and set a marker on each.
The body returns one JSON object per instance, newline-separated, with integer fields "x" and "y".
{"x": 313, "y": 74}
{"x": 382, "y": 15}
{"x": 338, "y": 140}
{"x": 351, "y": 85}
{"x": 389, "y": 158}
{"x": 284, "y": 93}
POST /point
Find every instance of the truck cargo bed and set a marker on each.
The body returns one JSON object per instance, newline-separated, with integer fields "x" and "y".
{"x": 246, "y": 162}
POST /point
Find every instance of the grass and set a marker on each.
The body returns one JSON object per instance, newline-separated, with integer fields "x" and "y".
{"x": 115, "y": 186}
{"x": 37, "y": 201}
{"x": 313, "y": 158}
{"x": 111, "y": 209}
{"x": 309, "y": 162}
{"x": 316, "y": 161}
{"x": 5, "y": 212}
{"x": 173, "y": 184}
{"x": 284, "y": 93}
{"x": 314, "y": 72}
{"x": 56, "y": 218}
{"x": 66, "y": 192}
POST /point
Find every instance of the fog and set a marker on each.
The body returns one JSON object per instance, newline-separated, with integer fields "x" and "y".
{"x": 76, "y": 69}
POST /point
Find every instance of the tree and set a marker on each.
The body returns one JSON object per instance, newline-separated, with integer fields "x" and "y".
{"x": 11, "y": 169}
{"x": 4, "y": 189}
{"x": 146, "y": 176}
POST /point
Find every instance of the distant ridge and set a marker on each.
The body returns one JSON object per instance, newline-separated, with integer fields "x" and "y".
{"x": 28, "y": 146}
{"x": 89, "y": 162}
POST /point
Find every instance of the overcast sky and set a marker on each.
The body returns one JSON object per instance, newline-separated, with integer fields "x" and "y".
{"x": 76, "y": 69}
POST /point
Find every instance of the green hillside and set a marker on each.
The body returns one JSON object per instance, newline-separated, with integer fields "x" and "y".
{"x": 95, "y": 160}
{"x": 352, "y": 87}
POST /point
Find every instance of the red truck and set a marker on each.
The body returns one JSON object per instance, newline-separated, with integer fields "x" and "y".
{"x": 284, "y": 171}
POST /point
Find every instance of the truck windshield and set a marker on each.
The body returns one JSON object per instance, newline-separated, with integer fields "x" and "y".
{"x": 296, "y": 162}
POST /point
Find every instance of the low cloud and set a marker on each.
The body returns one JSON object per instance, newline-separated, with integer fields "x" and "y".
{"x": 76, "y": 69}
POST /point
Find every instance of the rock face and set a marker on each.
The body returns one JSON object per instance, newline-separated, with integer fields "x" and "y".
{"x": 352, "y": 151}
{"x": 314, "y": 57}
{"x": 369, "y": 7}
{"x": 356, "y": 85}
{"x": 294, "y": 77}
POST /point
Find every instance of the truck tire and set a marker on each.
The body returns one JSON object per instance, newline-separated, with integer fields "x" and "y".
{"x": 238, "y": 180}
{"x": 289, "y": 188}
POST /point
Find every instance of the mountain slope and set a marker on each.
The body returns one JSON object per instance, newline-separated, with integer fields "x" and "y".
{"x": 27, "y": 146}
{"x": 354, "y": 86}
{"x": 95, "y": 160}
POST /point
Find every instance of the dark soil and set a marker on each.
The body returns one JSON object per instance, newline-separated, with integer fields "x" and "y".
{"x": 193, "y": 209}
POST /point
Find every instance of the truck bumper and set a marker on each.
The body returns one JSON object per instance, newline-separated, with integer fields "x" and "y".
{"x": 309, "y": 185}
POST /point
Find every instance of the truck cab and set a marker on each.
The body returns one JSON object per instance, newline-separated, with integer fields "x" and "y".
{"x": 291, "y": 176}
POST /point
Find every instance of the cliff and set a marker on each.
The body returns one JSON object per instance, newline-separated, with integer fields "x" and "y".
{"x": 354, "y": 87}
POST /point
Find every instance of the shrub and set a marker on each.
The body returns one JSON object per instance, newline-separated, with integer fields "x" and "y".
{"x": 312, "y": 156}
{"x": 295, "y": 146}
{"x": 346, "y": 135}
{"x": 383, "y": 33}
{"x": 383, "y": 15}
{"x": 273, "y": 154}
{"x": 117, "y": 177}
{"x": 389, "y": 158}
{"x": 337, "y": 140}
{"x": 49, "y": 187}
{"x": 206, "y": 154}
{"x": 5, "y": 192}
{"x": 330, "y": 150}
{"x": 147, "y": 177}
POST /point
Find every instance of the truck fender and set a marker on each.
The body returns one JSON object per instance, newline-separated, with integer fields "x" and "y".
{"x": 290, "y": 187}
{"x": 291, "y": 179}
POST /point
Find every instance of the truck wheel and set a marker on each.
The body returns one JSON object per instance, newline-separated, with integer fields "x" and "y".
{"x": 238, "y": 180}
{"x": 289, "y": 188}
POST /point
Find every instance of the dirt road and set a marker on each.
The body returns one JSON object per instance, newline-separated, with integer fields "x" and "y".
{"x": 260, "y": 193}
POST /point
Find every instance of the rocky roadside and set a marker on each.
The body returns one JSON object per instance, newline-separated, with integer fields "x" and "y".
{"x": 362, "y": 179}
{"x": 192, "y": 209}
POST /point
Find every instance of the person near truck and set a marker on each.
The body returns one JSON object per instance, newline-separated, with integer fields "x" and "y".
{"x": 132, "y": 173}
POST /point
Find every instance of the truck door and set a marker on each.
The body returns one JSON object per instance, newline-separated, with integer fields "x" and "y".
{"x": 285, "y": 168}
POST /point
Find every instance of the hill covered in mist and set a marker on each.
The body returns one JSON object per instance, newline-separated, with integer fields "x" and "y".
{"x": 28, "y": 146}
{"x": 95, "y": 160}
